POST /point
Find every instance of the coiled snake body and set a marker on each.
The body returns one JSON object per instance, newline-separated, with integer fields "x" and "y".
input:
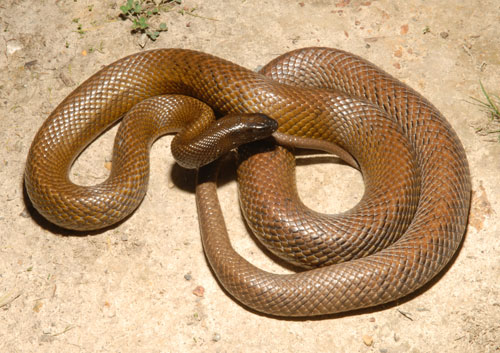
{"x": 405, "y": 229}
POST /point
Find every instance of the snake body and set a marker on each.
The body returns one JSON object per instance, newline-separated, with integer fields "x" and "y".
{"x": 405, "y": 229}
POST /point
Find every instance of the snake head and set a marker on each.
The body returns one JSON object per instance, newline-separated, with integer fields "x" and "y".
{"x": 246, "y": 128}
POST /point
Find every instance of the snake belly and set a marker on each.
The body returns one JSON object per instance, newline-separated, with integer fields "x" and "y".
{"x": 405, "y": 229}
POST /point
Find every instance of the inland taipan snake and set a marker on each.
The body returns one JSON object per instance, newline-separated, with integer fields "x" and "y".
{"x": 406, "y": 228}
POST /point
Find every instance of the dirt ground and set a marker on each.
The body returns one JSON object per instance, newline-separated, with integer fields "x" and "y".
{"x": 131, "y": 288}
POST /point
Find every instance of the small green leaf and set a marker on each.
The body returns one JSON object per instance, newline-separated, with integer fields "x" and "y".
{"x": 124, "y": 9}
{"x": 163, "y": 26}
{"x": 137, "y": 8}
{"x": 153, "y": 35}
{"x": 142, "y": 22}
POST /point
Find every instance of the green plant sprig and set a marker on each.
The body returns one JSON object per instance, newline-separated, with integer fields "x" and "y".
{"x": 141, "y": 11}
{"x": 491, "y": 106}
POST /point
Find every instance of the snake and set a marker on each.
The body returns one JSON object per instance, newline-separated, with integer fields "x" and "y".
{"x": 406, "y": 228}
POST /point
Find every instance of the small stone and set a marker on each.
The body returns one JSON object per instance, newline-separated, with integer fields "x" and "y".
{"x": 124, "y": 237}
{"x": 13, "y": 46}
{"x": 444, "y": 35}
{"x": 38, "y": 305}
{"x": 142, "y": 40}
{"x": 24, "y": 213}
{"x": 67, "y": 81}
{"x": 46, "y": 338}
{"x": 199, "y": 291}
{"x": 216, "y": 337}
{"x": 188, "y": 277}
{"x": 30, "y": 64}
{"x": 367, "y": 340}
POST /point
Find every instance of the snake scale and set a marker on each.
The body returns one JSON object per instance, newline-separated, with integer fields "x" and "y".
{"x": 407, "y": 226}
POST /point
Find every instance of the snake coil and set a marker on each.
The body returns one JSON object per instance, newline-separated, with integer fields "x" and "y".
{"x": 406, "y": 228}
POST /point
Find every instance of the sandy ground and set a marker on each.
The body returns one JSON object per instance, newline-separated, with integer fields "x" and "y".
{"x": 130, "y": 289}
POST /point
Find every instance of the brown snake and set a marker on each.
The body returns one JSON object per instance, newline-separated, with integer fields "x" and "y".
{"x": 406, "y": 228}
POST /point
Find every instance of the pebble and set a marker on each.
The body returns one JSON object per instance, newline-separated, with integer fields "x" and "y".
{"x": 199, "y": 291}
{"x": 367, "y": 340}
{"x": 13, "y": 46}
{"x": 216, "y": 337}
{"x": 66, "y": 80}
